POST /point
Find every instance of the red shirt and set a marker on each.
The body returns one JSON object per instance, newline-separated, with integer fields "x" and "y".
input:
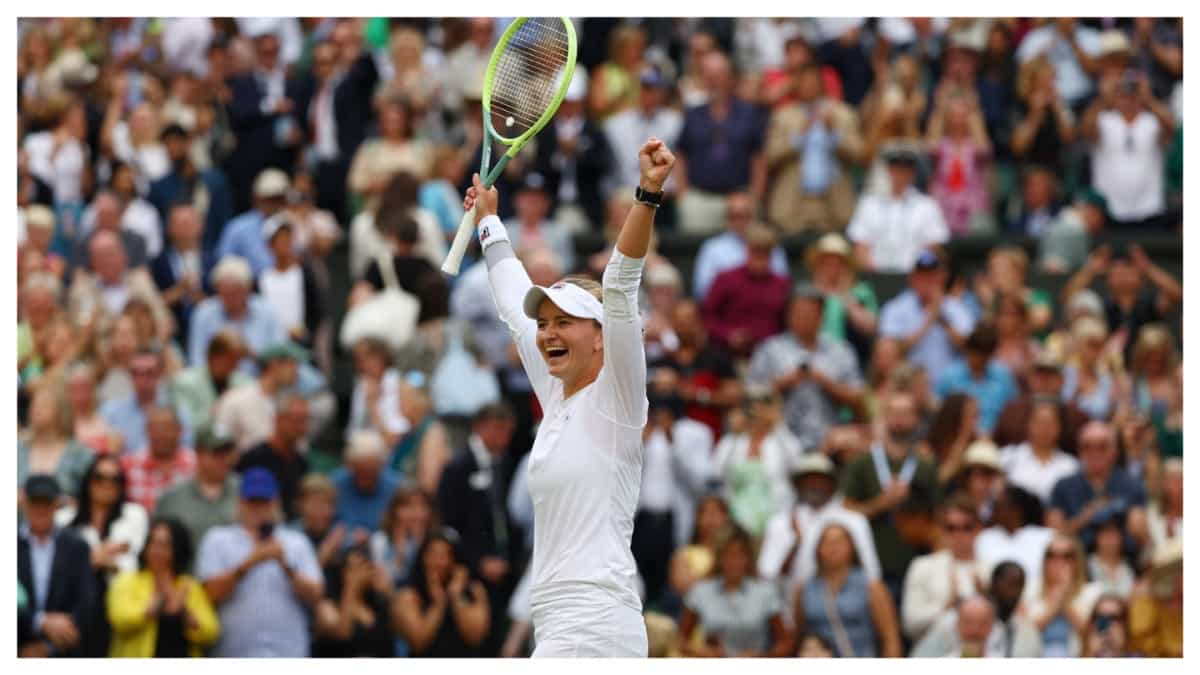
{"x": 739, "y": 299}
{"x": 146, "y": 479}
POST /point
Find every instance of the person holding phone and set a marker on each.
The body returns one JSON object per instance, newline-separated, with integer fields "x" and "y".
{"x": 263, "y": 579}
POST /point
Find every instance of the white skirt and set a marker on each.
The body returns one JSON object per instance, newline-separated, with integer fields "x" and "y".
{"x": 588, "y": 624}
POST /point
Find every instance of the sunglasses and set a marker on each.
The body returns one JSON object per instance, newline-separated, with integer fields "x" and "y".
{"x": 113, "y": 478}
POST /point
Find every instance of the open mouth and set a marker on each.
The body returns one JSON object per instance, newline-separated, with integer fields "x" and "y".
{"x": 556, "y": 353}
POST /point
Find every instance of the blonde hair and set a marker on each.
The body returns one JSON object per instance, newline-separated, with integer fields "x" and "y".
{"x": 1079, "y": 567}
{"x": 588, "y": 284}
{"x": 1015, "y": 255}
{"x": 1153, "y": 336}
{"x": 1028, "y": 73}
{"x": 1088, "y": 327}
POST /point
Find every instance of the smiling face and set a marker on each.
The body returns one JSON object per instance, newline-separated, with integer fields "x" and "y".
{"x": 572, "y": 347}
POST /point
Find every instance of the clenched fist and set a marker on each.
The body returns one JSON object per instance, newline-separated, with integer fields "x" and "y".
{"x": 655, "y": 160}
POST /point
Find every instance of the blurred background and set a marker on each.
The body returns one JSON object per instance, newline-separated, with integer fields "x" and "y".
{"x": 912, "y": 317}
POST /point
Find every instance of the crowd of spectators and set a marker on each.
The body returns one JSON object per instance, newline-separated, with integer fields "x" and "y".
{"x": 256, "y": 420}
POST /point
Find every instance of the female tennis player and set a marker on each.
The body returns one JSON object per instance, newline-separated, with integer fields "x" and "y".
{"x": 581, "y": 345}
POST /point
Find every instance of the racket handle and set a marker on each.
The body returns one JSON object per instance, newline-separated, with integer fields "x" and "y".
{"x": 462, "y": 238}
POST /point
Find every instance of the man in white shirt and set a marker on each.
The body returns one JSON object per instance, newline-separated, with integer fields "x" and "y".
{"x": 890, "y": 231}
{"x": 938, "y": 581}
{"x": 626, "y": 131}
{"x": 789, "y": 548}
{"x": 1128, "y": 131}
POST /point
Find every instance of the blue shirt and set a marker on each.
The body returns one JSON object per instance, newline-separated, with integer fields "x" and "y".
{"x": 1072, "y": 494}
{"x": 902, "y": 317}
{"x": 726, "y": 252}
{"x": 243, "y": 236}
{"x": 262, "y": 617}
{"x": 719, "y": 151}
{"x": 128, "y": 418}
{"x": 357, "y": 509}
{"x": 992, "y": 392}
{"x": 259, "y": 329}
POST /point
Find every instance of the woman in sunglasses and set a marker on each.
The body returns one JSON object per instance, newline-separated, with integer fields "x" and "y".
{"x": 1107, "y": 632}
{"x": 115, "y": 529}
{"x": 1059, "y": 607}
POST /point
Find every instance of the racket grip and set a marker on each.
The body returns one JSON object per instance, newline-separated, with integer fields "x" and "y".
{"x": 462, "y": 239}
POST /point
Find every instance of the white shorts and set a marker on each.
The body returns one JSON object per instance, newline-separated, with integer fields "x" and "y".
{"x": 588, "y": 625}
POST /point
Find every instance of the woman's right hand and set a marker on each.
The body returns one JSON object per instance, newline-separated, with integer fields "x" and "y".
{"x": 487, "y": 199}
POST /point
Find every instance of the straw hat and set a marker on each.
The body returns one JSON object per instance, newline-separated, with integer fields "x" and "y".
{"x": 833, "y": 243}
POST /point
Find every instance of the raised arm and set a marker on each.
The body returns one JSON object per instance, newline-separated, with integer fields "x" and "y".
{"x": 510, "y": 282}
{"x": 624, "y": 372}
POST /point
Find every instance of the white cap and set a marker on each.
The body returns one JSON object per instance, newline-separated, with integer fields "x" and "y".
{"x": 577, "y": 90}
{"x": 232, "y": 268}
{"x": 274, "y": 224}
{"x": 982, "y": 453}
{"x": 39, "y": 217}
{"x": 1113, "y": 42}
{"x": 365, "y": 444}
{"x": 271, "y": 183}
{"x": 566, "y": 296}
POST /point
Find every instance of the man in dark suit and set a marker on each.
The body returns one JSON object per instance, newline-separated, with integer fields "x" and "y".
{"x": 574, "y": 156}
{"x": 181, "y": 271}
{"x": 261, "y": 114}
{"x": 334, "y": 108}
{"x": 54, "y": 566}
{"x": 207, "y": 190}
{"x": 472, "y": 498}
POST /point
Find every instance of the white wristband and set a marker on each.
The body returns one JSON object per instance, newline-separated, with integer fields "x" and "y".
{"x": 491, "y": 230}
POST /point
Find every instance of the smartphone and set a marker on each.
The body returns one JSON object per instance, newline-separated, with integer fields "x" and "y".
{"x": 266, "y": 530}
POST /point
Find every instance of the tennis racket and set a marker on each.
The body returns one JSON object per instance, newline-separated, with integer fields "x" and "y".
{"x": 527, "y": 78}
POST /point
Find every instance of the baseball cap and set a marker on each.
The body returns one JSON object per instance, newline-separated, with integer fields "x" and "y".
{"x": 259, "y": 483}
{"x": 173, "y": 131}
{"x": 928, "y": 260}
{"x": 283, "y": 350}
{"x": 982, "y": 453}
{"x": 42, "y": 487}
{"x": 211, "y": 437}
{"x": 900, "y": 155}
{"x": 38, "y": 216}
{"x": 1094, "y": 198}
{"x": 653, "y": 77}
{"x": 1046, "y": 359}
{"x": 566, "y": 296}
{"x": 271, "y": 183}
{"x": 810, "y": 463}
{"x": 533, "y": 180}
{"x": 274, "y": 224}
{"x": 1086, "y": 300}
{"x": 808, "y": 291}
{"x": 1113, "y": 42}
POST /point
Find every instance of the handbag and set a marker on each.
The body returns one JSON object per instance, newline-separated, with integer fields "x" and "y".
{"x": 389, "y": 315}
{"x": 460, "y": 386}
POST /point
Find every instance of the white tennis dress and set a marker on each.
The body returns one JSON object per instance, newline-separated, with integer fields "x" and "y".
{"x": 585, "y": 472}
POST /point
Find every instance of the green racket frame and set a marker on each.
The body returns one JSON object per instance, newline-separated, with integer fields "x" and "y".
{"x": 465, "y": 228}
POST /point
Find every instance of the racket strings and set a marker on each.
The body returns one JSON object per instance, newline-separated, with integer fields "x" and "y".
{"x": 528, "y": 75}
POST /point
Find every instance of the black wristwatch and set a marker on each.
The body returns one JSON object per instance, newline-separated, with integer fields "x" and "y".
{"x": 651, "y": 199}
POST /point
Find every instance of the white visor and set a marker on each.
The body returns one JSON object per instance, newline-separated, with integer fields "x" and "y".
{"x": 566, "y": 296}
